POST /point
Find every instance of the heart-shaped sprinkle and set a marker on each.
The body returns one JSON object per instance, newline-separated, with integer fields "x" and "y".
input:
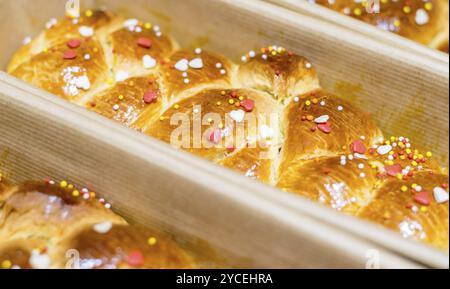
{"x": 103, "y": 228}
{"x": 148, "y": 62}
{"x": 440, "y": 195}
{"x": 69, "y": 54}
{"x": 182, "y": 65}
{"x": 135, "y": 259}
{"x": 144, "y": 42}
{"x": 266, "y": 132}
{"x": 358, "y": 147}
{"x": 230, "y": 149}
{"x": 237, "y": 115}
{"x": 383, "y": 150}
{"x": 322, "y": 119}
{"x": 86, "y": 31}
{"x": 423, "y": 198}
{"x": 196, "y": 63}
{"x": 215, "y": 136}
{"x": 74, "y": 43}
{"x": 150, "y": 96}
{"x": 248, "y": 105}
{"x": 393, "y": 170}
{"x": 324, "y": 127}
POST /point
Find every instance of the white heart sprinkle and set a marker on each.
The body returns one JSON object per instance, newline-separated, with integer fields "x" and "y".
{"x": 83, "y": 82}
{"x": 182, "y": 65}
{"x": 121, "y": 75}
{"x": 86, "y": 31}
{"x": 382, "y": 150}
{"x": 266, "y": 132}
{"x": 148, "y": 62}
{"x": 196, "y": 63}
{"x": 103, "y": 228}
{"x": 358, "y": 156}
{"x": 422, "y": 17}
{"x": 322, "y": 119}
{"x": 440, "y": 195}
{"x": 237, "y": 115}
{"x": 38, "y": 261}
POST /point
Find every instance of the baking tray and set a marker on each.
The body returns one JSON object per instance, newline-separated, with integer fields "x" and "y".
{"x": 247, "y": 223}
{"x": 338, "y": 19}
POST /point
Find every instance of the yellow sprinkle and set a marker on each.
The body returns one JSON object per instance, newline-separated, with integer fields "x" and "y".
{"x": 415, "y": 157}
{"x": 6, "y": 264}
{"x": 70, "y": 186}
{"x": 176, "y": 106}
{"x": 95, "y": 49}
{"x": 414, "y": 163}
{"x": 390, "y": 163}
{"x": 89, "y": 13}
{"x": 399, "y": 176}
{"x": 274, "y": 53}
{"x": 416, "y": 151}
{"x": 423, "y": 209}
{"x": 221, "y": 126}
{"x": 421, "y": 156}
{"x": 414, "y": 186}
{"x": 391, "y": 153}
{"x": 374, "y": 166}
{"x": 92, "y": 195}
{"x": 148, "y": 25}
{"x": 109, "y": 81}
{"x": 406, "y": 9}
{"x": 75, "y": 193}
{"x": 219, "y": 103}
{"x": 388, "y": 142}
{"x": 121, "y": 97}
{"x": 357, "y": 11}
{"x": 393, "y": 138}
{"x": 241, "y": 98}
{"x": 308, "y": 102}
{"x": 429, "y": 154}
{"x": 162, "y": 118}
{"x": 408, "y": 151}
{"x": 404, "y": 189}
{"x": 403, "y": 157}
{"x": 63, "y": 184}
{"x": 428, "y": 6}
{"x": 231, "y": 101}
{"x": 152, "y": 241}
{"x": 397, "y": 23}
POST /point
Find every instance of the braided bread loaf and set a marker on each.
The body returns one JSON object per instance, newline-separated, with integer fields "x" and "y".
{"x": 47, "y": 225}
{"x": 424, "y": 21}
{"x": 296, "y": 136}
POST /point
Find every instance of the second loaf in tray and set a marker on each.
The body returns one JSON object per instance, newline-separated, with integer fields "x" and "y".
{"x": 306, "y": 141}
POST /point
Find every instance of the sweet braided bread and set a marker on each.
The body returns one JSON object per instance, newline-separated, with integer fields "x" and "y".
{"x": 48, "y": 225}
{"x": 424, "y": 21}
{"x": 296, "y": 136}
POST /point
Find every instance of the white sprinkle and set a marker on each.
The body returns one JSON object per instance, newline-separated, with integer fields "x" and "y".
{"x": 296, "y": 99}
{"x": 103, "y": 228}
{"x": 51, "y": 23}
{"x": 343, "y": 162}
{"x": 108, "y": 206}
{"x": 85, "y": 191}
{"x": 116, "y": 107}
{"x": 218, "y": 65}
{"x": 51, "y": 182}
{"x": 75, "y": 21}
{"x": 418, "y": 189}
{"x": 27, "y": 40}
{"x": 401, "y": 138}
{"x": 361, "y": 166}
{"x": 223, "y": 71}
{"x": 264, "y": 56}
{"x": 340, "y": 108}
{"x": 308, "y": 65}
{"x": 266, "y": 132}
{"x": 83, "y": 82}
{"x": 237, "y": 115}
{"x": 362, "y": 175}
{"x": 322, "y": 103}
{"x": 408, "y": 145}
{"x": 196, "y": 110}
{"x": 87, "y": 57}
{"x": 148, "y": 62}
{"x": 186, "y": 80}
{"x": 244, "y": 59}
{"x": 86, "y": 196}
{"x": 394, "y": 145}
{"x": 121, "y": 75}
{"x": 391, "y": 158}
{"x": 131, "y": 22}
{"x": 422, "y": 17}
{"x": 415, "y": 209}
{"x": 198, "y": 51}
{"x": 382, "y": 150}
{"x": 196, "y": 63}
{"x": 363, "y": 137}
{"x": 86, "y": 31}
{"x": 440, "y": 195}
{"x": 156, "y": 28}
{"x": 252, "y": 54}
{"x": 322, "y": 119}
{"x": 158, "y": 34}
{"x": 138, "y": 29}
{"x": 350, "y": 157}
{"x": 38, "y": 261}
{"x": 184, "y": 74}
{"x": 182, "y": 65}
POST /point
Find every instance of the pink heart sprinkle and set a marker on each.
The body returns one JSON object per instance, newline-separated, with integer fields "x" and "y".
{"x": 150, "y": 96}
{"x": 70, "y": 54}
{"x": 144, "y": 42}
{"x": 74, "y": 43}
{"x": 423, "y": 198}
{"x": 393, "y": 170}
{"x": 358, "y": 147}
{"x": 248, "y": 105}
{"x": 215, "y": 136}
{"x": 135, "y": 259}
{"x": 324, "y": 127}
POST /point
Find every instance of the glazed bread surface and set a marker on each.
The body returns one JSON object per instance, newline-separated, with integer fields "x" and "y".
{"x": 47, "y": 225}
{"x": 424, "y": 21}
{"x": 293, "y": 134}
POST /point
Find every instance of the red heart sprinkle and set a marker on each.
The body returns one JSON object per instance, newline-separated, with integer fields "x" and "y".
{"x": 393, "y": 170}
{"x": 135, "y": 259}
{"x": 324, "y": 127}
{"x": 70, "y": 54}
{"x": 144, "y": 42}
{"x": 423, "y": 198}
{"x": 150, "y": 96}
{"x": 231, "y": 149}
{"x": 215, "y": 136}
{"x": 358, "y": 147}
{"x": 248, "y": 105}
{"x": 74, "y": 43}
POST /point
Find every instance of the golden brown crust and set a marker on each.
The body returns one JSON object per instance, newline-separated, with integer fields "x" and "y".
{"x": 422, "y": 21}
{"x": 46, "y": 225}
